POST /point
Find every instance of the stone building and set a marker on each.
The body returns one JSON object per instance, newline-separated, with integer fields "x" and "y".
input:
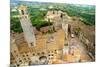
{"x": 32, "y": 48}
{"x": 46, "y": 50}
{"x": 28, "y": 49}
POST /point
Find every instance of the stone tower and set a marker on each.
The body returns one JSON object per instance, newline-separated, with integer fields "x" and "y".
{"x": 65, "y": 28}
{"x": 27, "y": 26}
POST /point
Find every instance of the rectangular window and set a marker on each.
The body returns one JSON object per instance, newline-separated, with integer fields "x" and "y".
{"x": 22, "y": 12}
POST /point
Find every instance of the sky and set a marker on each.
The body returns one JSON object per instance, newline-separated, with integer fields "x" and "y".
{"x": 89, "y": 2}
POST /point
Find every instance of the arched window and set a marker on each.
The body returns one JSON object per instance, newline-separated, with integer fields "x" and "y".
{"x": 20, "y": 60}
{"x": 38, "y": 53}
{"x": 43, "y": 53}
{"x": 27, "y": 55}
{"x": 49, "y": 55}
{"x": 52, "y": 55}
{"x": 22, "y": 12}
{"x": 14, "y": 51}
{"x": 24, "y": 58}
{"x": 18, "y": 65}
{"x": 33, "y": 54}
{"x": 31, "y": 44}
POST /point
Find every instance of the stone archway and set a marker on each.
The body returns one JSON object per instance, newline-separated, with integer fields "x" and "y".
{"x": 43, "y": 60}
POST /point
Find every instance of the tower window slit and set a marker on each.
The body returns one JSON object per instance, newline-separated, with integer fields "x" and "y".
{"x": 22, "y": 12}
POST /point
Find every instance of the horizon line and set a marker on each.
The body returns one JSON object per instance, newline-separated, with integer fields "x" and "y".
{"x": 85, "y": 2}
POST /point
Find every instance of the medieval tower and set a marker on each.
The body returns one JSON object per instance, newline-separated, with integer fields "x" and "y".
{"x": 27, "y": 26}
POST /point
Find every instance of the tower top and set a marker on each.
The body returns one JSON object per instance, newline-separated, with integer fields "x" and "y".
{"x": 22, "y": 7}
{"x": 22, "y": 10}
